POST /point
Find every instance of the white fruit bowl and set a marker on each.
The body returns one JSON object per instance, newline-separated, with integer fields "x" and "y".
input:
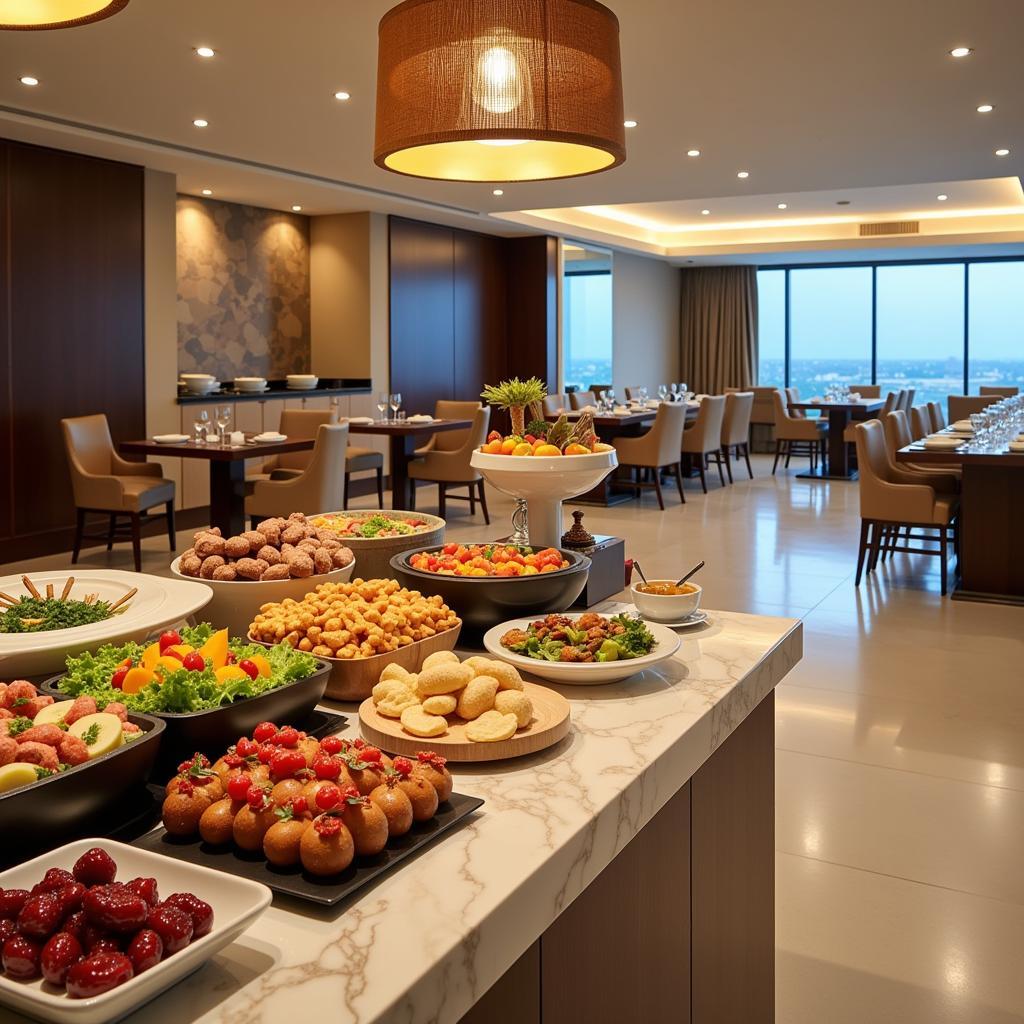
{"x": 544, "y": 482}
{"x": 236, "y": 903}
{"x": 158, "y": 603}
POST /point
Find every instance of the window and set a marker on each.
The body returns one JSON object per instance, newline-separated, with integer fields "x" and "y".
{"x": 996, "y": 325}
{"x": 830, "y": 328}
{"x": 945, "y": 327}
{"x": 921, "y": 330}
{"x": 586, "y": 317}
{"x": 771, "y": 328}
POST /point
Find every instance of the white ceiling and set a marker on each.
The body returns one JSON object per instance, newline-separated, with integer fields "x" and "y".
{"x": 809, "y": 97}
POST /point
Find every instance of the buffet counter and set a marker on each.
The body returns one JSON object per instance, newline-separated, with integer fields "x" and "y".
{"x": 627, "y": 870}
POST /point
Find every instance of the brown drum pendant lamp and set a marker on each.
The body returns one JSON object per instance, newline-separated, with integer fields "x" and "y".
{"x": 499, "y": 90}
{"x": 40, "y": 14}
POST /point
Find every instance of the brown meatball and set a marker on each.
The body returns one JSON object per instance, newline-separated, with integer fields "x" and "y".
{"x": 248, "y": 569}
{"x": 236, "y": 547}
{"x": 225, "y": 573}
{"x": 342, "y": 557}
{"x": 269, "y": 554}
{"x": 293, "y": 534}
{"x": 322, "y": 561}
{"x": 276, "y": 572}
{"x": 300, "y": 565}
{"x": 210, "y": 565}
{"x": 190, "y": 566}
{"x": 209, "y": 545}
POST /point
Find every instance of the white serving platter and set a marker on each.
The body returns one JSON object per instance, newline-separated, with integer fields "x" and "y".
{"x": 592, "y": 673}
{"x": 158, "y": 603}
{"x": 236, "y": 902}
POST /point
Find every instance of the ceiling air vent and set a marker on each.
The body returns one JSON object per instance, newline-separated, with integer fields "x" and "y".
{"x": 895, "y": 227}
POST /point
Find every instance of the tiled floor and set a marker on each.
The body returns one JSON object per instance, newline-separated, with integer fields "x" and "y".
{"x": 900, "y": 752}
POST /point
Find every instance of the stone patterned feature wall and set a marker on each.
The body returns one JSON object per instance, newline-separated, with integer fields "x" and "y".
{"x": 243, "y": 290}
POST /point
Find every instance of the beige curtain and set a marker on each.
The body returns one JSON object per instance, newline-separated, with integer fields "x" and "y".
{"x": 718, "y": 328}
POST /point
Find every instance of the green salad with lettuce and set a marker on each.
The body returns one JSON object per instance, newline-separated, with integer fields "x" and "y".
{"x": 588, "y": 638}
{"x": 183, "y": 690}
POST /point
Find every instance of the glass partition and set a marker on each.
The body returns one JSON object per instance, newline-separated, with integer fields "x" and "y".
{"x": 586, "y": 316}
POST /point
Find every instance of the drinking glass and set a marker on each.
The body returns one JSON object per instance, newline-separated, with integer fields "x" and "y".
{"x": 202, "y": 425}
{"x": 223, "y": 422}
{"x": 382, "y": 405}
{"x": 395, "y": 401}
{"x": 662, "y": 392}
{"x": 611, "y": 398}
{"x": 675, "y": 391}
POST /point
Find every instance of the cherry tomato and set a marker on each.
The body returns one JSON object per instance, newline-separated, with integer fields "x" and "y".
{"x": 238, "y": 787}
{"x": 194, "y": 661}
{"x": 117, "y": 679}
{"x": 169, "y": 639}
{"x": 288, "y": 737}
{"x": 249, "y": 668}
{"x": 450, "y": 549}
{"x": 264, "y": 731}
{"x": 232, "y": 657}
{"x": 331, "y": 745}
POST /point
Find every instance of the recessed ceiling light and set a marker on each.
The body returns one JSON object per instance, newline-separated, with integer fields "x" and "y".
{"x": 499, "y": 192}
{"x": 705, "y": 213}
{"x": 201, "y": 122}
{"x": 205, "y": 51}
{"x": 629, "y": 124}
{"x": 207, "y": 191}
{"x": 942, "y": 197}
{"x": 1002, "y": 152}
{"x": 28, "y": 80}
{"x": 842, "y": 202}
{"x": 961, "y": 51}
{"x": 743, "y": 174}
{"x": 296, "y": 208}
{"x": 783, "y": 206}
{"x": 342, "y": 95}
{"x": 693, "y": 152}
{"x": 985, "y": 108}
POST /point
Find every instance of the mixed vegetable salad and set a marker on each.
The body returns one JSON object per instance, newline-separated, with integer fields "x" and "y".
{"x": 197, "y": 669}
{"x": 589, "y": 638}
{"x": 369, "y": 527}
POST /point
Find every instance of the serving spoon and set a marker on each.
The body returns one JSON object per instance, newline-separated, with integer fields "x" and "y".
{"x": 636, "y": 565}
{"x": 695, "y": 569}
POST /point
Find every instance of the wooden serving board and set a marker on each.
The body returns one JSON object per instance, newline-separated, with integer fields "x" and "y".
{"x": 550, "y": 723}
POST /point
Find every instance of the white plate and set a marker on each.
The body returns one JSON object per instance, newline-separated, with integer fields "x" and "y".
{"x": 420, "y": 419}
{"x": 360, "y": 419}
{"x": 269, "y": 438}
{"x": 696, "y": 619}
{"x": 236, "y": 903}
{"x": 593, "y": 673}
{"x": 159, "y": 602}
{"x": 296, "y": 386}
{"x": 170, "y": 438}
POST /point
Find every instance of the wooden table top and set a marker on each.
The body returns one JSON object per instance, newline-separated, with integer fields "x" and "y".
{"x": 963, "y": 456}
{"x": 868, "y": 404}
{"x": 405, "y": 428}
{"x": 216, "y": 452}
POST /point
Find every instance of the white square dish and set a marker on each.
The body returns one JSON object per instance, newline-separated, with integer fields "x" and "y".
{"x": 236, "y": 902}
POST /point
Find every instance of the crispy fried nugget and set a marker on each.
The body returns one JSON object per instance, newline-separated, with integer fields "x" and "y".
{"x": 515, "y": 702}
{"x": 492, "y": 727}
{"x": 445, "y": 678}
{"x": 440, "y": 704}
{"x": 419, "y": 723}
{"x": 477, "y": 697}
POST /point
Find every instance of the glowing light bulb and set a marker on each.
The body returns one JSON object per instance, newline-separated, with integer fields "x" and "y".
{"x": 497, "y": 84}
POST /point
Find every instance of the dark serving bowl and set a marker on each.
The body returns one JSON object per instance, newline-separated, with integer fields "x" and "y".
{"x": 483, "y": 601}
{"x": 211, "y": 732}
{"x": 53, "y": 810}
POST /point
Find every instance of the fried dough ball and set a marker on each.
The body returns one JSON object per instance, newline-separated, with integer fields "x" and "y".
{"x": 300, "y": 565}
{"x": 210, "y": 565}
{"x": 269, "y": 554}
{"x": 326, "y": 847}
{"x": 440, "y": 658}
{"x": 216, "y": 824}
{"x": 322, "y": 562}
{"x": 236, "y": 547}
{"x": 208, "y": 544}
{"x": 227, "y": 573}
{"x": 283, "y": 841}
{"x": 276, "y": 572}
{"x": 514, "y": 702}
{"x": 190, "y": 566}
{"x": 248, "y": 569}
{"x": 444, "y": 678}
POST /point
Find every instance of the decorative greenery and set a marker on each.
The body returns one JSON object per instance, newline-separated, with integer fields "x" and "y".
{"x": 538, "y": 428}
{"x": 515, "y": 395}
{"x": 32, "y": 615}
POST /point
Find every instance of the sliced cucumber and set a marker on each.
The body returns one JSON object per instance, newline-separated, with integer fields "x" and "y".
{"x": 101, "y": 732}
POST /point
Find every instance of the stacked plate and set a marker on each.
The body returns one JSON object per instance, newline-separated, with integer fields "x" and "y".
{"x": 250, "y": 385}
{"x": 200, "y": 383}
{"x": 302, "y": 381}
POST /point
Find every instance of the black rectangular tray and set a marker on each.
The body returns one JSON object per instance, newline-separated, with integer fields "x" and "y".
{"x": 294, "y": 881}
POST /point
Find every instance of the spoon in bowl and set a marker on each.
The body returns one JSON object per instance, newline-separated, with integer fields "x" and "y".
{"x": 636, "y": 565}
{"x": 695, "y": 569}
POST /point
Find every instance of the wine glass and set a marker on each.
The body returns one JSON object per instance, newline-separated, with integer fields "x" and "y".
{"x": 395, "y": 401}
{"x": 382, "y": 405}
{"x": 223, "y": 421}
{"x": 201, "y": 426}
{"x": 662, "y": 392}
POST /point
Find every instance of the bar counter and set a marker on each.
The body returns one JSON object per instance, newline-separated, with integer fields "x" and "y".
{"x": 625, "y": 874}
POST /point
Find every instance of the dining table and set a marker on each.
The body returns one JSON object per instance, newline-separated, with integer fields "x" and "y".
{"x": 991, "y": 562}
{"x": 840, "y": 415}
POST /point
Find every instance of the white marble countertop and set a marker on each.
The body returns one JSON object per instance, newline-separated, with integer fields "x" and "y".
{"x": 425, "y": 942}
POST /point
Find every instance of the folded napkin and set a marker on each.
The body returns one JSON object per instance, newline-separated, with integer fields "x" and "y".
{"x": 420, "y": 418}
{"x": 1017, "y": 446}
{"x": 360, "y": 419}
{"x": 962, "y": 425}
{"x": 942, "y": 442}
{"x": 270, "y": 435}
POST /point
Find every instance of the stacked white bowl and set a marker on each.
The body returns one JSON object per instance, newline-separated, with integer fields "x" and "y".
{"x": 250, "y": 384}
{"x": 200, "y": 383}
{"x": 302, "y": 381}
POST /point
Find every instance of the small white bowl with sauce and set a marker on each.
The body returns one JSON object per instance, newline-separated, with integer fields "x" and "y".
{"x": 663, "y": 601}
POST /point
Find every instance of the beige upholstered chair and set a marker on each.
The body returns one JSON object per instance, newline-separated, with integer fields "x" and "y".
{"x": 304, "y": 423}
{"x": 320, "y": 487}
{"x": 795, "y": 435}
{"x": 935, "y": 412}
{"x": 920, "y": 422}
{"x": 961, "y": 406}
{"x": 764, "y": 405}
{"x": 849, "y": 434}
{"x": 703, "y": 438}
{"x": 449, "y": 440}
{"x": 897, "y": 435}
{"x": 104, "y": 483}
{"x": 892, "y": 499}
{"x": 555, "y": 405}
{"x": 867, "y": 390}
{"x": 633, "y": 394}
{"x": 905, "y": 400}
{"x": 658, "y": 449}
{"x": 793, "y": 395}
{"x": 736, "y": 429}
{"x": 452, "y": 469}
{"x": 580, "y": 399}
{"x": 1000, "y": 392}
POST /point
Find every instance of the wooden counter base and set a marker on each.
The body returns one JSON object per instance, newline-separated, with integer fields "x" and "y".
{"x": 681, "y": 925}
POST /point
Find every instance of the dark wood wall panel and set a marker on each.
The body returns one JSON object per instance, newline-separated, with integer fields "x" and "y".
{"x": 514, "y": 998}
{"x": 6, "y": 382}
{"x": 532, "y": 268}
{"x": 75, "y": 282}
{"x": 479, "y": 304}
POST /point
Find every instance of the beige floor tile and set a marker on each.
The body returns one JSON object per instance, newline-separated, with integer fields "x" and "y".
{"x": 860, "y": 948}
{"x": 934, "y": 830}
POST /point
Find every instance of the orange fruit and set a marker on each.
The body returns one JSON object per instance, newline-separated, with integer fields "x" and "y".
{"x": 493, "y": 448}
{"x": 577, "y": 449}
{"x": 544, "y": 450}
{"x": 523, "y": 449}
{"x": 508, "y": 446}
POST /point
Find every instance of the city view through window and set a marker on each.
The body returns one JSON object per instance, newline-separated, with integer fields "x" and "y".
{"x": 921, "y": 320}
{"x": 587, "y": 316}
